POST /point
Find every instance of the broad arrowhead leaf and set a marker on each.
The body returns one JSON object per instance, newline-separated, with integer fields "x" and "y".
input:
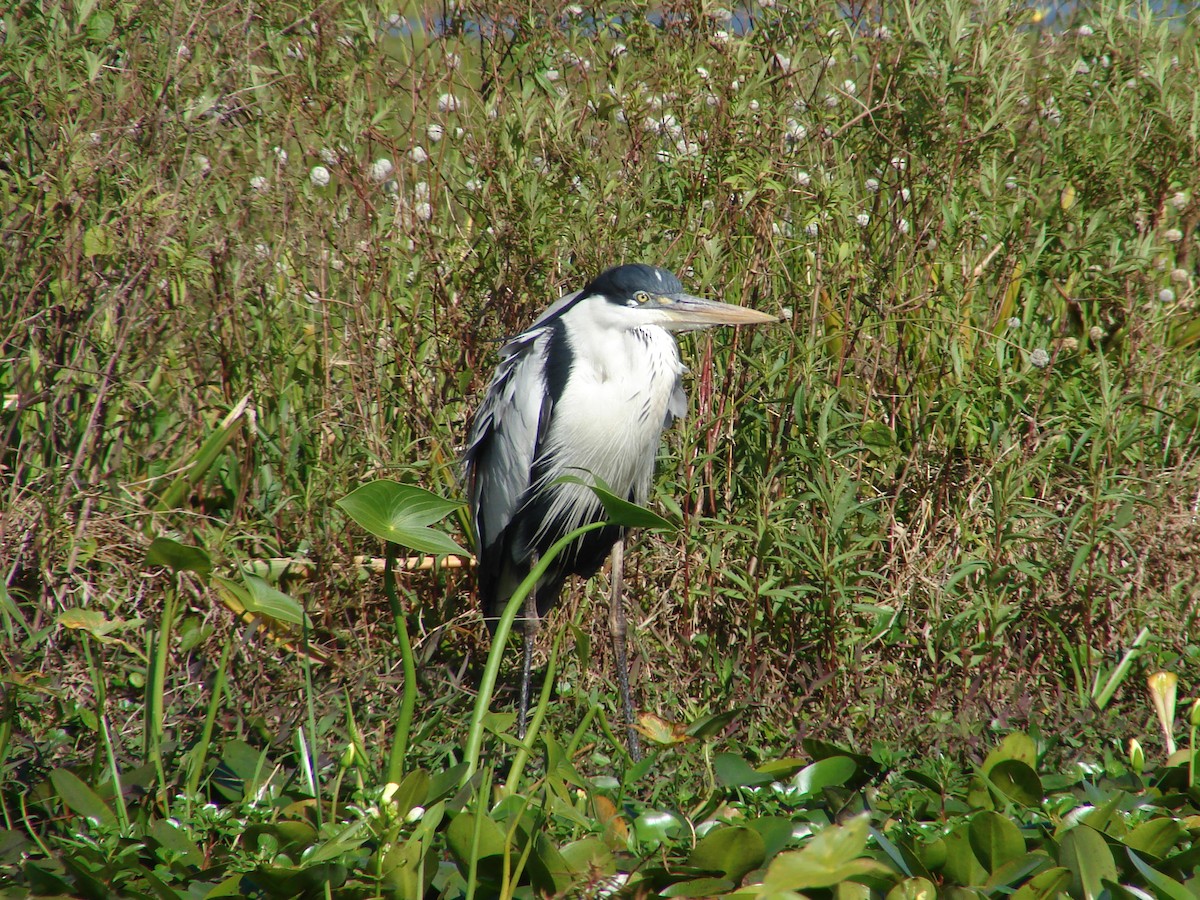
{"x": 178, "y": 557}
{"x": 265, "y": 600}
{"x": 402, "y": 514}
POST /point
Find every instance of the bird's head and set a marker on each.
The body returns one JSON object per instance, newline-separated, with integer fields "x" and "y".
{"x": 648, "y": 295}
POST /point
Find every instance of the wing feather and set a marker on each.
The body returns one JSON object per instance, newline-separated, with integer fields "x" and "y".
{"x": 505, "y": 436}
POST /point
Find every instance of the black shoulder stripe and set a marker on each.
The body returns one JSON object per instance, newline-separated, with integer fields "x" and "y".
{"x": 559, "y": 359}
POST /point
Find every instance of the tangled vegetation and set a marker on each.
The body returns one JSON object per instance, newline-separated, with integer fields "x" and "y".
{"x": 934, "y": 532}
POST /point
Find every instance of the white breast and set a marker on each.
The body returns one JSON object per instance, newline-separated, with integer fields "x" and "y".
{"x": 610, "y": 418}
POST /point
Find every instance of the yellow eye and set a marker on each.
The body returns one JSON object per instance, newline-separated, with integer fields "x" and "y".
{"x": 641, "y": 297}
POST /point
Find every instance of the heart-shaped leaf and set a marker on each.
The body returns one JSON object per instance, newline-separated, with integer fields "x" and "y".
{"x": 402, "y": 514}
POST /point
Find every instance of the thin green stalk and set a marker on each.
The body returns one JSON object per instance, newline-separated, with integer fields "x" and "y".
{"x": 97, "y": 670}
{"x": 310, "y": 759}
{"x": 485, "y": 790}
{"x": 535, "y": 722}
{"x": 487, "y": 684}
{"x": 156, "y": 688}
{"x": 200, "y": 752}
{"x": 395, "y": 770}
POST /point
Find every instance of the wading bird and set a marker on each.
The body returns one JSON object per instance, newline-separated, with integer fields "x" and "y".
{"x": 585, "y": 391}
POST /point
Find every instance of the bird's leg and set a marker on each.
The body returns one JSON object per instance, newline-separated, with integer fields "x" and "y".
{"x": 617, "y": 624}
{"x": 529, "y": 625}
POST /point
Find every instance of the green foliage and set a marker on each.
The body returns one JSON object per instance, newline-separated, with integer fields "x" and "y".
{"x": 253, "y": 259}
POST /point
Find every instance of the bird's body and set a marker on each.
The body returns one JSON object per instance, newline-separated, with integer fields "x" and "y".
{"x": 585, "y": 391}
{"x": 575, "y": 394}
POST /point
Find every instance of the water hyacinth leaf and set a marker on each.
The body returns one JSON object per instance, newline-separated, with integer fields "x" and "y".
{"x": 832, "y": 772}
{"x": 1047, "y": 885}
{"x": 1084, "y": 851}
{"x": 1155, "y": 838}
{"x": 656, "y": 826}
{"x": 733, "y": 771}
{"x": 588, "y": 855}
{"x": 698, "y": 887}
{"x": 1017, "y": 781}
{"x": 80, "y": 798}
{"x": 1164, "y": 885}
{"x": 913, "y": 889}
{"x": 835, "y": 854}
{"x": 178, "y": 557}
{"x": 1015, "y": 871}
{"x": 549, "y": 871}
{"x": 819, "y": 749}
{"x": 781, "y": 768}
{"x": 488, "y": 849}
{"x": 776, "y": 832}
{"x": 961, "y": 865}
{"x": 995, "y": 839}
{"x": 733, "y": 851}
{"x": 1017, "y": 745}
{"x": 402, "y": 514}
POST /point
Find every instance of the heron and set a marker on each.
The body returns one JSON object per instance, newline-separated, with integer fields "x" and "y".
{"x": 586, "y": 391}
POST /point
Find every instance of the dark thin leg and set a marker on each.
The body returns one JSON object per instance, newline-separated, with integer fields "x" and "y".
{"x": 617, "y": 624}
{"x": 529, "y": 625}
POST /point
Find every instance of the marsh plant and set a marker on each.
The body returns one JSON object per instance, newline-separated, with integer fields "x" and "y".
{"x": 930, "y": 534}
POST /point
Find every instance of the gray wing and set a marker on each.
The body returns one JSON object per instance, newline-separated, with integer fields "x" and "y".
{"x": 505, "y": 436}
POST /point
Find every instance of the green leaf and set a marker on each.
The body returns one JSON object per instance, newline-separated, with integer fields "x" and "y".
{"x": 1164, "y": 885}
{"x": 995, "y": 839}
{"x": 877, "y": 436}
{"x": 1046, "y": 885}
{"x": 401, "y": 514}
{"x": 1017, "y": 781}
{"x": 461, "y": 842}
{"x": 733, "y": 851}
{"x": 835, "y": 854}
{"x": 831, "y": 772}
{"x": 653, "y": 827}
{"x": 264, "y": 600}
{"x": 710, "y": 726}
{"x": 80, "y": 798}
{"x": 1018, "y": 746}
{"x": 733, "y": 771}
{"x": 776, "y": 832}
{"x": 1084, "y": 851}
{"x": 620, "y": 511}
{"x": 100, "y": 25}
{"x": 699, "y": 887}
{"x": 178, "y": 557}
{"x": 96, "y": 240}
{"x": 913, "y": 889}
{"x": 588, "y": 855}
{"x": 961, "y": 865}
{"x": 1156, "y": 837}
